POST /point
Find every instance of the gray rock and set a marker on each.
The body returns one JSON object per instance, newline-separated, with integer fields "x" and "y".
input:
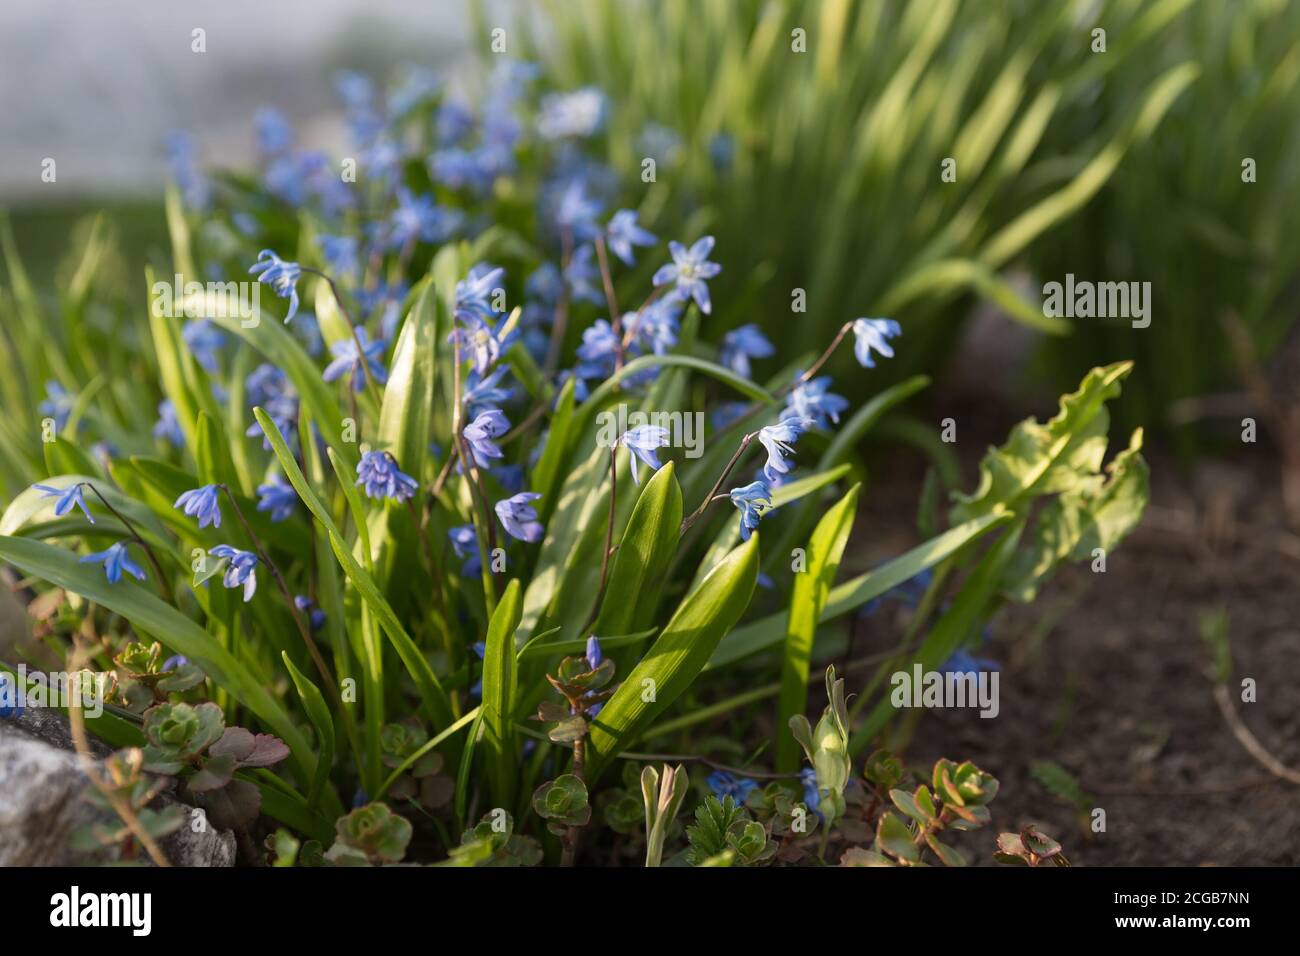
{"x": 42, "y": 801}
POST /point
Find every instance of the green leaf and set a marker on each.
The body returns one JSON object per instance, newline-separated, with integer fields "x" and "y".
{"x": 677, "y": 656}
{"x": 164, "y": 623}
{"x": 894, "y": 838}
{"x": 314, "y": 703}
{"x": 865, "y": 417}
{"x": 499, "y": 688}
{"x": 408, "y": 395}
{"x": 641, "y": 562}
{"x": 437, "y": 706}
{"x": 770, "y": 631}
{"x": 281, "y": 349}
{"x": 1095, "y": 516}
{"x": 557, "y": 441}
{"x": 1046, "y": 459}
{"x": 812, "y": 587}
{"x": 952, "y": 628}
{"x": 212, "y": 454}
{"x": 784, "y": 495}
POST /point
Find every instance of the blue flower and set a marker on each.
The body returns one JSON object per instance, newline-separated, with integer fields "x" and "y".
{"x": 452, "y": 122}
{"x": 725, "y": 785}
{"x": 419, "y": 218}
{"x": 643, "y": 442}
{"x": 875, "y": 334}
{"x": 355, "y": 89}
{"x": 69, "y": 497}
{"x": 519, "y": 517}
{"x": 378, "y": 474}
{"x": 576, "y": 211}
{"x": 545, "y": 283}
{"x": 184, "y": 170}
{"x": 278, "y": 498}
{"x": 478, "y": 339}
{"x": 274, "y": 134}
{"x": 689, "y": 268}
{"x": 341, "y": 253}
{"x": 458, "y": 168}
{"x": 623, "y": 233}
{"x": 9, "y": 692}
{"x": 483, "y": 392}
{"x": 168, "y": 425}
{"x": 115, "y": 561}
{"x": 742, "y": 344}
{"x": 57, "y": 404}
{"x": 241, "y": 570}
{"x": 303, "y": 603}
{"x": 464, "y": 541}
{"x": 418, "y": 85}
{"x": 777, "y": 440}
{"x": 752, "y": 500}
{"x": 961, "y": 662}
{"x": 656, "y": 326}
{"x": 812, "y": 796}
{"x": 582, "y": 276}
{"x": 347, "y": 358}
{"x": 598, "y": 350}
{"x": 510, "y": 477}
{"x": 594, "y": 654}
{"x": 811, "y": 400}
{"x": 265, "y": 383}
{"x": 473, "y": 291}
{"x": 280, "y": 275}
{"x": 577, "y": 114}
{"x": 201, "y": 503}
{"x": 480, "y": 432}
{"x": 204, "y": 341}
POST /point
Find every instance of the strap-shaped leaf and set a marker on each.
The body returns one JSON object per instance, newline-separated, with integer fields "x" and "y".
{"x": 677, "y": 656}
{"x": 313, "y": 701}
{"x": 408, "y": 396}
{"x": 639, "y": 567}
{"x": 769, "y": 631}
{"x": 499, "y": 684}
{"x": 812, "y": 587}
{"x": 437, "y": 706}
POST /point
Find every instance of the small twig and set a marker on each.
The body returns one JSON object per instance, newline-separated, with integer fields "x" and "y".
{"x": 615, "y": 317}
{"x": 120, "y": 806}
{"x": 1249, "y": 741}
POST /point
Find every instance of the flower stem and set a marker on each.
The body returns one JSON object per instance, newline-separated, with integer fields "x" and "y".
{"x": 609, "y": 537}
{"x": 303, "y": 630}
{"x": 561, "y": 322}
{"x": 135, "y": 534}
{"x": 713, "y": 495}
{"x": 615, "y": 318}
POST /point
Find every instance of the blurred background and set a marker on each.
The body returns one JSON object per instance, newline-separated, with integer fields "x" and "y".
{"x": 808, "y": 136}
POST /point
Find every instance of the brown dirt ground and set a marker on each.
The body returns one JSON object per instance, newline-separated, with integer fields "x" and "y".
{"x": 1108, "y": 676}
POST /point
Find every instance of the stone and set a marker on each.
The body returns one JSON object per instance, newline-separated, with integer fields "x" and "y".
{"x": 42, "y": 802}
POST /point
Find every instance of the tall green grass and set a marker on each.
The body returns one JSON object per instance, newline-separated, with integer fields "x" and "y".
{"x": 835, "y": 184}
